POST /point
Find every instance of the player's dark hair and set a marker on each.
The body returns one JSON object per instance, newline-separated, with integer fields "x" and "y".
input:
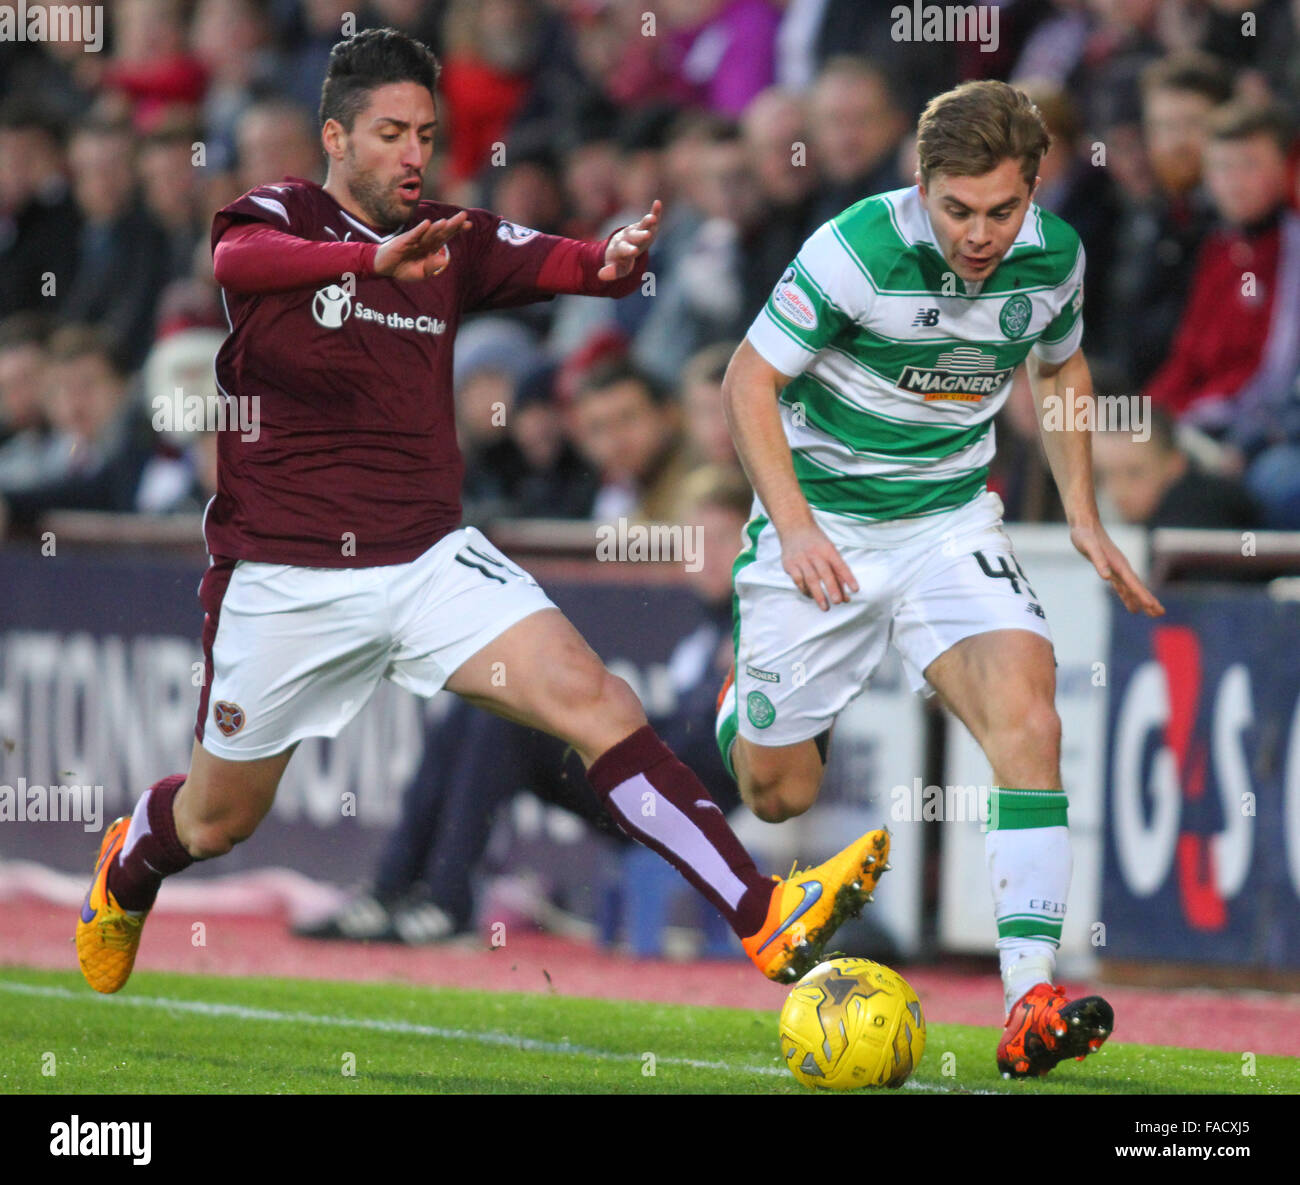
{"x": 1240, "y": 120}
{"x": 970, "y": 130}
{"x": 371, "y": 59}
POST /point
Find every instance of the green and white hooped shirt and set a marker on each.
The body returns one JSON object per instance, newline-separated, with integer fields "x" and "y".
{"x": 900, "y": 366}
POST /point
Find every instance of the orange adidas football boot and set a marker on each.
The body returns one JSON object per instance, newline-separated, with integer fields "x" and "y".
{"x": 107, "y": 935}
{"x": 808, "y": 907}
{"x": 1044, "y": 1028}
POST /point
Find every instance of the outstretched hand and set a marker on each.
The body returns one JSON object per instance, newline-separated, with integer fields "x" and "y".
{"x": 1096, "y": 546}
{"x": 422, "y": 251}
{"x": 628, "y": 243}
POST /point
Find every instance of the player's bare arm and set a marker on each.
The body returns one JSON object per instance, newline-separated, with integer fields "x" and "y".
{"x": 1069, "y": 453}
{"x": 751, "y": 389}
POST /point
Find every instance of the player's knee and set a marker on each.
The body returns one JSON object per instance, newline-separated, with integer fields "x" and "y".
{"x": 774, "y": 792}
{"x": 774, "y": 808}
{"x": 579, "y": 679}
{"x": 599, "y": 710}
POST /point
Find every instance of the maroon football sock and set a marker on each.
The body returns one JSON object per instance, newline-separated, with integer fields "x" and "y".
{"x": 660, "y": 803}
{"x": 151, "y": 850}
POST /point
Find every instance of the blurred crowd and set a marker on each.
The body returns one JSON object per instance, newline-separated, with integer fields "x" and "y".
{"x": 755, "y": 121}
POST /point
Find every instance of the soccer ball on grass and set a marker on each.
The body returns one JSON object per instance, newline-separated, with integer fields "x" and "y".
{"x": 850, "y": 1023}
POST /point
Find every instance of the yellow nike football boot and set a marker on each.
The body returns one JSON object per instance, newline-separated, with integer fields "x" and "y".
{"x": 107, "y": 936}
{"x": 808, "y": 907}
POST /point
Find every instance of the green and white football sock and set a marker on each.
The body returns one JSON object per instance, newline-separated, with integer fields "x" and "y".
{"x": 1028, "y": 849}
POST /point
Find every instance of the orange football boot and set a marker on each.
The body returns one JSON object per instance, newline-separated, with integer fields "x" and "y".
{"x": 1044, "y": 1028}
{"x": 808, "y": 907}
{"x": 107, "y": 935}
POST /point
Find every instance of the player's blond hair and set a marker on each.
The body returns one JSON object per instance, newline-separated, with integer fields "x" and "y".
{"x": 970, "y": 130}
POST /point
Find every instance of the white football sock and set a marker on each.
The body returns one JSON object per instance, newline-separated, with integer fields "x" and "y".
{"x": 1028, "y": 850}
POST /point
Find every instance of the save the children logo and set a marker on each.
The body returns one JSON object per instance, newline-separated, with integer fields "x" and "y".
{"x": 331, "y": 306}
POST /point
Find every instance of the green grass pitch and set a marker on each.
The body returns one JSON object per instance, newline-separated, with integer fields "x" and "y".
{"x": 197, "y": 1034}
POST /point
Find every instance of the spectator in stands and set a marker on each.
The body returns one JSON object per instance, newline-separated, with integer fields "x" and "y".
{"x": 1075, "y": 185}
{"x": 699, "y": 294}
{"x": 1263, "y": 437}
{"x": 152, "y": 66}
{"x": 170, "y": 182}
{"x": 707, "y": 435}
{"x": 1154, "y": 483}
{"x": 775, "y": 134}
{"x": 723, "y": 51}
{"x": 815, "y": 31}
{"x": 233, "y": 41}
{"x": 1119, "y": 41}
{"x": 100, "y": 443}
{"x": 318, "y": 25}
{"x": 61, "y": 76}
{"x": 552, "y": 480}
{"x": 1158, "y": 235}
{"x": 38, "y": 217}
{"x": 122, "y": 252}
{"x": 642, "y": 169}
{"x": 1221, "y": 338}
{"x": 491, "y": 49}
{"x": 856, "y": 124}
{"x": 591, "y": 183}
{"x": 492, "y": 355}
{"x": 628, "y": 430}
{"x": 24, "y": 429}
{"x": 518, "y": 461}
{"x": 277, "y": 139}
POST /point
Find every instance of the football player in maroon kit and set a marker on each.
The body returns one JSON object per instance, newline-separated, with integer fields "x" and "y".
{"x": 337, "y": 554}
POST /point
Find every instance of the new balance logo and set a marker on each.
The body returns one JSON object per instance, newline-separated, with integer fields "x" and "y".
{"x": 927, "y": 318}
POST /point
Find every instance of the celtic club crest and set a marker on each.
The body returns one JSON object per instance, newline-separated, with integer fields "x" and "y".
{"x": 760, "y": 709}
{"x": 1014, "y": 318}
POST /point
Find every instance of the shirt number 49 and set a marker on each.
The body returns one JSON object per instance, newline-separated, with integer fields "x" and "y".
{"x": 1004, "y": 571}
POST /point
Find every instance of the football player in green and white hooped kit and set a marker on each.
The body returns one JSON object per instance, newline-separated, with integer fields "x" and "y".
{"x": 861, "y": 403}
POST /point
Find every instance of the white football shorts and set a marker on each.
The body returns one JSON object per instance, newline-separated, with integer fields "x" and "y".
{"x": 797, "y": 667}
{"x": 294, "y": 652}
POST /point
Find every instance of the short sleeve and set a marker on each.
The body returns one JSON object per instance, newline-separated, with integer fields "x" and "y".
{"x": 821, "y": 294}
{"x": 1064, "y": 333}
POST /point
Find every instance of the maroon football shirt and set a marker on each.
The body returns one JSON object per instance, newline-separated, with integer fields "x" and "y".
{"x": 355, "y": 461}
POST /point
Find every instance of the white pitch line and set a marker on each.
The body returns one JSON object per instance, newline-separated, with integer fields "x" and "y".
{"x": 407, "y": 1028}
